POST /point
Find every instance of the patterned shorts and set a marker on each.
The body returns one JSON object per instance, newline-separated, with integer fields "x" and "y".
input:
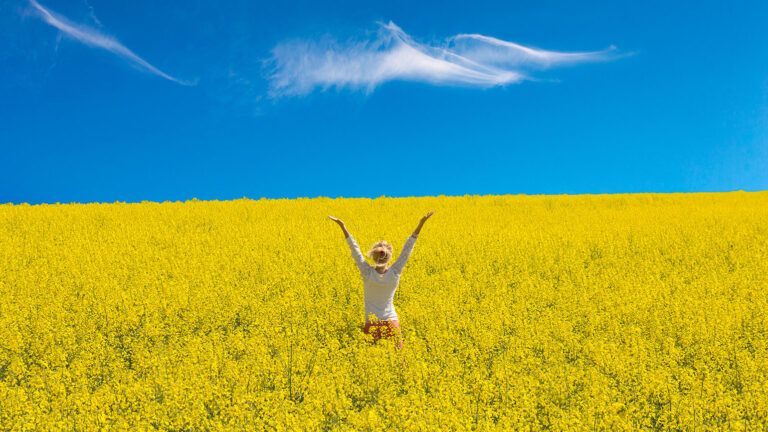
{"x": 384, "y": 329}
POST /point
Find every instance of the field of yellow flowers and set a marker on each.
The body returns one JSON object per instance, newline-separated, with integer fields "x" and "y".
{"x": 595, "y": 312}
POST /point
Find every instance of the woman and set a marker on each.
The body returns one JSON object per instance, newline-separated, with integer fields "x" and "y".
{"x": 380, "y": 282}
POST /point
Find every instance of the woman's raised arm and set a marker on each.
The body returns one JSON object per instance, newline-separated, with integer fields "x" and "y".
{"x": 399, "y": 263}
{"x": 356, "y": 254}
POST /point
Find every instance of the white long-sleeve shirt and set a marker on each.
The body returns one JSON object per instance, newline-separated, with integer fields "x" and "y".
{"x": 379, "y": 289}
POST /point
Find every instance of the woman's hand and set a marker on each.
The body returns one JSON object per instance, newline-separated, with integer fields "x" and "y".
{"x": 421, "y": 223}
{"x": 341, "y": 224}
{"x": 337, "y": 220}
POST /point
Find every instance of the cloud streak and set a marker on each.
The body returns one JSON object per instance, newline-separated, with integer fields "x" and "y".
{"x": 94, "y": 38}
{"x": 299, "y": 67}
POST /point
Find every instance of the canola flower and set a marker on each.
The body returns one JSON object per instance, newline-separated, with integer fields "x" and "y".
{"x": 599, "y": 312}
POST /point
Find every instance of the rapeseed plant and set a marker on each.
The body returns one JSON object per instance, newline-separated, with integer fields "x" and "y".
{"x": 605, "y": 312}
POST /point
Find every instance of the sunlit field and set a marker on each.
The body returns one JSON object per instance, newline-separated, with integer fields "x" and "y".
{"x": 600, "y": 312}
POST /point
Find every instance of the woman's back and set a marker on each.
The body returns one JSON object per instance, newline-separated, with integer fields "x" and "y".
{"x": 380, "y": 288}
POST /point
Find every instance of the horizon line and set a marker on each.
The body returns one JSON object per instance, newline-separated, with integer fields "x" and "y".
{"x": 491, "y": 195}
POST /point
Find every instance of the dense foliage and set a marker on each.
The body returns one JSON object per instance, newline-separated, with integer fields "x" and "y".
{"x": 617, "y": 312}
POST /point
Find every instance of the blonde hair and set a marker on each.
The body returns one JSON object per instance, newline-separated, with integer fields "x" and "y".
{"x": 383, "y": 244}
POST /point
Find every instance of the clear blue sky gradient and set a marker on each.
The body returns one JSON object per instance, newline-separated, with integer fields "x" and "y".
{"x": 687, "y": 111}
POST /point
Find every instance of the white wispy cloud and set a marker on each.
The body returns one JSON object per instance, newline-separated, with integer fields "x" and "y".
{"x": 97, "y": 39}
{"x": 298, "y": 67}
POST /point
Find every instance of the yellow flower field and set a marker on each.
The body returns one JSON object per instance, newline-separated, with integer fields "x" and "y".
{"x": 598, "y": 312}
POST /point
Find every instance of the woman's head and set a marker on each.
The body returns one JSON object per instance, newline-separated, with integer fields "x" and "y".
{"x": 381, "y": 252}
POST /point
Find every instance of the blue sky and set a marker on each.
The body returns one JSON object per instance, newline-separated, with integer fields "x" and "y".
{"x": 129, "y": 101}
